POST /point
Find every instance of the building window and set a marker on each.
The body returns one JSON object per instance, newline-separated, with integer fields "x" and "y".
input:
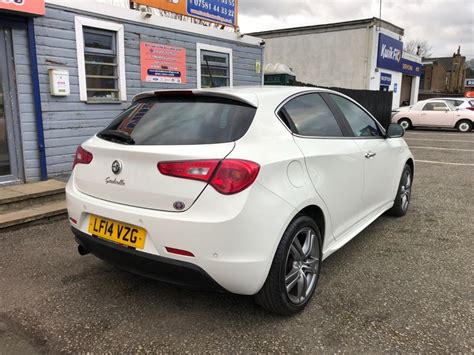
{"x": 101, "y": 61}
{"x": 214, "y": 66}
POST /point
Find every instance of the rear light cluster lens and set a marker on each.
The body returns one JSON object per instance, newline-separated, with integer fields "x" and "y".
{"x": 82, "y": 157}
{"x": 228, "y": 177}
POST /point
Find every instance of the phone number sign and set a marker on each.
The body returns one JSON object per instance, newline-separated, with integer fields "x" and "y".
{"x": 220, "y": 11}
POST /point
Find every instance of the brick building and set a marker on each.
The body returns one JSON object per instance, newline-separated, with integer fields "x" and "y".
{"x": 443, "y": 75}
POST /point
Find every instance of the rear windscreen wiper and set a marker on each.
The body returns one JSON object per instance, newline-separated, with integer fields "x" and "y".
{"x": 116, "y": 136}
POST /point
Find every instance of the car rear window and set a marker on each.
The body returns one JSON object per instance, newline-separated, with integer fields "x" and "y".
{"x": 182, "y": 120}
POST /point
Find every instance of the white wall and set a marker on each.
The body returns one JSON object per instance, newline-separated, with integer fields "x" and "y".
{"x": 375, "y": 72}
{"x": 335, "y": 59}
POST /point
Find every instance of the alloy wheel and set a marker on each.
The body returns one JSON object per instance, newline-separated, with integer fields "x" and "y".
{"x": 302, "y": 264}
{"x": 464, "y": 127}
{"x": 405, "y": 191}
{"x": 405, "y": 125}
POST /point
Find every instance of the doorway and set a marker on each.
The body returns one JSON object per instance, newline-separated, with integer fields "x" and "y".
{"x": 10, "y": 142}
{"x": 405, "y": 93}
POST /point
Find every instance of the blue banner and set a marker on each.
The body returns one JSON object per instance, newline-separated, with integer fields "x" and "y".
{"x": 220, "y": 11}
{"x": 385, "y": 79}
{"x": 411, "y": 68}
{"x": 389, "y": 54}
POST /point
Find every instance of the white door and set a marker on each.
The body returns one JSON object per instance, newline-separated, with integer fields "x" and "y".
{"x": 436, "y": 114}
{"x": 333, "y": 161}
{"x": 379, "y": 155}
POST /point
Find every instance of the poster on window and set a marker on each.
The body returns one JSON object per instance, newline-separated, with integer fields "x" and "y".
{"x": 162, "y": 64}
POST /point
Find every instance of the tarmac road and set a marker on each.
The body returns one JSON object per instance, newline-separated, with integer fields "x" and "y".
{"x": 403, "y": 285}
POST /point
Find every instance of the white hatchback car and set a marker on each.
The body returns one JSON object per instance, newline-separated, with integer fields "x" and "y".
{"x": 243, "y": 190}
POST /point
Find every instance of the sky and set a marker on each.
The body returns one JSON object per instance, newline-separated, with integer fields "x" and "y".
{"x": 445, "y": 24}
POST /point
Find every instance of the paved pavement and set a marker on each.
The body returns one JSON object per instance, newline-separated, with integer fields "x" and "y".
{"x": 403, "y": 285}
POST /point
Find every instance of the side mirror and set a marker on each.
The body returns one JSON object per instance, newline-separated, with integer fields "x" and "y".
{"x": 394, "y": 130}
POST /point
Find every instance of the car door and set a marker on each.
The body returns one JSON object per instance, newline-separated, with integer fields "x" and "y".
{"x": 436, "y": 114}
{"x": 333, "y": 161}
{"x": 380, "y": 156}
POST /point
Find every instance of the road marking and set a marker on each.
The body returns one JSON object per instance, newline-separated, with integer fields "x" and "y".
{"x": 438, "y": 140}
{"x": 442, "y": 163}
{"x": 437, "y": 148}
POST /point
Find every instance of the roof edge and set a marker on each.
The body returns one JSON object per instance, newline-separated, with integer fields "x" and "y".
{"x": 345, "y": 25}
{"x": 115, "y": 12}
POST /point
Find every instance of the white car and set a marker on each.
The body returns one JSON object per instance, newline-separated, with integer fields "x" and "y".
{"x": 438, "y": 113}
{"x": 242, "y": 190}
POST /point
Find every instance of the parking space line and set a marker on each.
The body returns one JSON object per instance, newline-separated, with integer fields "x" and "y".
{"x": 437, "y": 148}
{"x": 439, "y": 140}
{"x": 442, "y": 163}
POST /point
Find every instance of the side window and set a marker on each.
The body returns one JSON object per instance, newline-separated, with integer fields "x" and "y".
{"x": 435, "y": 106}
{"x": 311, "y": 116}
{"x": 361, "y": 123}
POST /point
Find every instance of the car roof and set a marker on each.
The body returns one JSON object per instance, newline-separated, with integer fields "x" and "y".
{"x": 248, "y": 94}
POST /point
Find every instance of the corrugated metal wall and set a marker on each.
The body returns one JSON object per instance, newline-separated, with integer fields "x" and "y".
{"x": 67, "y": 121}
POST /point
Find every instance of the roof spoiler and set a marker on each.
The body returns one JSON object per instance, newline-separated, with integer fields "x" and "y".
{"x": 249, "y": 99}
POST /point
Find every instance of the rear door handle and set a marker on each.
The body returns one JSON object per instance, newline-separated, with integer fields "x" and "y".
{"x": 370, "y": 155}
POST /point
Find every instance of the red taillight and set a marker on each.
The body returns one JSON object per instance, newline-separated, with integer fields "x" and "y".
{"x": 227, "y": 176}
{"x": 82, "y": 157}
{"x": 233, "y": 176}
{"x": 471, "y": 108}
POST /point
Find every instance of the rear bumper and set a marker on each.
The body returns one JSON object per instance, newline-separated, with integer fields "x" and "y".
{"x": 156, "y": 267}
{"x": 233, "y": 238}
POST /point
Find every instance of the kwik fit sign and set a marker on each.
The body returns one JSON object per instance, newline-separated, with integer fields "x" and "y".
{"x": 390, "y": 53}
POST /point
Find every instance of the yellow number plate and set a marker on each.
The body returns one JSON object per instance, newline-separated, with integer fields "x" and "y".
{"x": 118, "y": 232}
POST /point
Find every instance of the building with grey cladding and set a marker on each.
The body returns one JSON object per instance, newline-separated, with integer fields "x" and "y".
{"x": 42, "y": 124}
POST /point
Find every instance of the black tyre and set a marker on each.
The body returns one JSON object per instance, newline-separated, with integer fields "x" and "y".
{"x": 402, "y": 200}
{"x": 295, "y": 270}
{"x": 405, "y": 123}
{"x": 464, "y": 126}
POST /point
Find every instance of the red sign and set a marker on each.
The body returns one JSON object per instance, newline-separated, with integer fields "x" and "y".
{"x": 162, "y": 64}
{"x": 33, "y": 7}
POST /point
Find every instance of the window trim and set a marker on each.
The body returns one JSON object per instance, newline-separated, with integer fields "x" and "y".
{"x": 224, "y": 50}
{"x": 353, "y": 136}
{"x": 336, "y": 114}
{"x": 340, "y": 123}
{"x": 81, "y": 22}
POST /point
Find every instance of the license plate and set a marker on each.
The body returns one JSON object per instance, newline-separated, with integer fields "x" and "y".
{"x": 118, "y": 232}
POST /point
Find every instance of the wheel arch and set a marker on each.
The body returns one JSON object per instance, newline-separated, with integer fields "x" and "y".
{"x": 464, "y": 119}
{"x": 405, "y": 118}
{"x": 317, "y": 214}
{"x": 411, "y": 164}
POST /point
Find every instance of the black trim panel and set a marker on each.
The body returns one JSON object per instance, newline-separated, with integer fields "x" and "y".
{"x": 156, "y": 267}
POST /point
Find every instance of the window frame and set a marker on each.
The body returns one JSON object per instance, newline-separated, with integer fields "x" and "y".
{"x": 337, "y": 116}
{"x": 447, "y": 108}
{"x": 80, "y": 23}
{"x": 383, "y": 133}
{"x": 209, "y": 48}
